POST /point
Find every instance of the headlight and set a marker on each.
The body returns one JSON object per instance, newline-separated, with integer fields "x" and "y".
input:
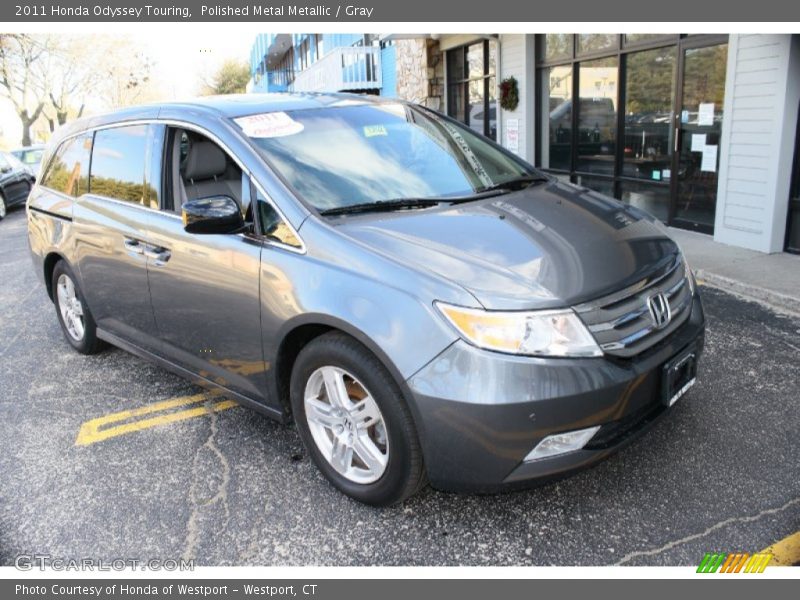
{"x": 532, "y": 333}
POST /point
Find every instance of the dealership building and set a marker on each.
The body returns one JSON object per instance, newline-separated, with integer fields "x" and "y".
{"x": 699, "y": 130}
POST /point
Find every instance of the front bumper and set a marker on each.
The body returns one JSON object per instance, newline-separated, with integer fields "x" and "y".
{"x": 480, "y": 413}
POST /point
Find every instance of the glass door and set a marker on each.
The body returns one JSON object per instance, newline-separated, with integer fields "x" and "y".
{"x": 699, "y": 114}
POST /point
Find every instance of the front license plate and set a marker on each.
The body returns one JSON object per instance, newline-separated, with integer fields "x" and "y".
{"x": 679, "y": 375}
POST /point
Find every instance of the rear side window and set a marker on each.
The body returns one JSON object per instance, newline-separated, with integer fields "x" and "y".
{"x": 119, "y": 160}
{"x": 68, "y": 172}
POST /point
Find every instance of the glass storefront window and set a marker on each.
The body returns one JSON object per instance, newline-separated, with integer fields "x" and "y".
{"x": 648, "y": 134}
{"x": 455, "y": 102}
{"x": 649, "y": 197}
{"x": 556, "y": 103}
{"x": 557, "y": 45}
{"x": 476, "y": 108}
{"x": 597, "y": 115}
{"x": 471, "y": 86}
{"x": 598, "y": 184}
{"x": 661, "y": 152}
{"x": 701, "y": 115}
{"x": 475, "y": 60}
{"x": 594, "y": 42}
{"x": 642, "y": 38}
{"x": 492, "y": 108}
{"x": 455, "y": 64}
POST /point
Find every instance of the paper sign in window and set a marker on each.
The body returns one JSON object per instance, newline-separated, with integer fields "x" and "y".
{"x": 709, "y": 161}
{"x": 269, "y": 125}
{"x": 705, "y": 114}
{"x": 698, "y": 142}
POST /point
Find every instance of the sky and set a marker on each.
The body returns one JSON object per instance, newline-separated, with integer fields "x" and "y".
{"x": 181, "y": 59}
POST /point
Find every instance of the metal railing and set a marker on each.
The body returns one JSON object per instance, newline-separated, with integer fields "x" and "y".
{"x": 341, "y": 69}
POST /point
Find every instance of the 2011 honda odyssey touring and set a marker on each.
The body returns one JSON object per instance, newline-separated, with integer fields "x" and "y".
{"x": 425, "y": 305}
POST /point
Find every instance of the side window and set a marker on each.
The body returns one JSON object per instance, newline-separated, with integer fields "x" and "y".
{"x": 272, "y": 224}
{"x": 119, "y": 165}
{"x": 199, "y": 168}
{"x": 68, "y": 171}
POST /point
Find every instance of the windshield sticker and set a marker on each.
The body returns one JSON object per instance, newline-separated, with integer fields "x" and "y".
{"x": 373, "y": 130}
{"x": 269, "y": 125}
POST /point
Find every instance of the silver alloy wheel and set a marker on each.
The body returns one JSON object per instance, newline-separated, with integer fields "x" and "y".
{"x": 346, "y": 424}
{"x": 2, "y": 207}
{"x": 71, "y": 308}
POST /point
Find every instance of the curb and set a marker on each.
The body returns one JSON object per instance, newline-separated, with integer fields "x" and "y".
{"x": 776, "y": 300}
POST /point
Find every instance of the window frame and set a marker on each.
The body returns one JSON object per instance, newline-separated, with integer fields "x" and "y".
{"x": 465, "y": 81}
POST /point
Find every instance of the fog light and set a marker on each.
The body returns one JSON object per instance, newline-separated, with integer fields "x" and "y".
{"x": 561, "y": 443}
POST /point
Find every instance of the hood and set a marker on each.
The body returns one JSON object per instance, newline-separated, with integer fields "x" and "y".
{"x": 547, "y": 246}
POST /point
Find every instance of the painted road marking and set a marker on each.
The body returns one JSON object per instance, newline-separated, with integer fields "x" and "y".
{"x": 103, "y": 428}
{"x": 786, "y": 552}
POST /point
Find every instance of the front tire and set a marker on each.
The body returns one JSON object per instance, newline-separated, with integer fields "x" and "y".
{"x": 75, "y": 318}
{"x": 3, "y": 207}
{"x": 354, "y": 422}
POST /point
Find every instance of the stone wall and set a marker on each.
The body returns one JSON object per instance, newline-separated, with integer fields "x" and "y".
{"x": 420, "y": 72}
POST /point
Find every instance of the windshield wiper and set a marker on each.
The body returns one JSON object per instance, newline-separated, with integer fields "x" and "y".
{"x": 520, "y": 182}
{"x": 383, "y": 205}
{"x": 506, "y": 187}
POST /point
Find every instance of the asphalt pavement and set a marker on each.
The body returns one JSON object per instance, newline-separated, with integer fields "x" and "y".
{"x": 225, "y": 486}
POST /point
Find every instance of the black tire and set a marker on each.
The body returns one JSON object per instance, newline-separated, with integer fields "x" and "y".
{"x": 89, "y": 343}
{"x": 404, "y": 474}
{"x": 3, "y": 206}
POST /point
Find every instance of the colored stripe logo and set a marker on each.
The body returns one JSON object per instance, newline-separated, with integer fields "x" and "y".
{"x": 738, "y": 562}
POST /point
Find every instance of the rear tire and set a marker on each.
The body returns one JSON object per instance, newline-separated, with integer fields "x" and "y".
{"x": 75, "y": 318}
{"x": 360, "y": 434}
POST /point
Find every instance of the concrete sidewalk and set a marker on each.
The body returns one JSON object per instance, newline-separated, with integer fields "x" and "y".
{"x": 770, "y": 278}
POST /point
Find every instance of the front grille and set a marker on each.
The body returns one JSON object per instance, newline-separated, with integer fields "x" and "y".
{"x": 621, "y": 322}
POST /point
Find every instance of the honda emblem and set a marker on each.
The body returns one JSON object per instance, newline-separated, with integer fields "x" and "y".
{"x": 658, "y": 305}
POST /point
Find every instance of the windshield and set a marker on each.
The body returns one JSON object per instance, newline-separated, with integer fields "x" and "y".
{"x": 344, "y": 156}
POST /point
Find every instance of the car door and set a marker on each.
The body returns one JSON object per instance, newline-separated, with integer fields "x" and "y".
{"x": 111, "y": 224}
{"x": 204, "y": 288}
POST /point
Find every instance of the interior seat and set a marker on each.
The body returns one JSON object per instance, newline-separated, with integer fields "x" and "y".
{"x": 205, "y": 172}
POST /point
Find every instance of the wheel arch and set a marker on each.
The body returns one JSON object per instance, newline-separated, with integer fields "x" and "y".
{"x": 299, "y": 332}
{"x": 48, "y": 266}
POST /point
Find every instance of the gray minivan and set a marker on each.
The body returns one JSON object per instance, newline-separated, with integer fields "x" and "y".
{"x": 422, "y": 303}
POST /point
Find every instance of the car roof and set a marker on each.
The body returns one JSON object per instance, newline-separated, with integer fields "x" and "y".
{"x": 227, "y": 106}
{"x": 237, "y": 105}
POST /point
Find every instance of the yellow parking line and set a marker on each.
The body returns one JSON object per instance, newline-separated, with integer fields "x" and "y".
{"x": 786, "y": 552}
{"x": 97, "y": 430}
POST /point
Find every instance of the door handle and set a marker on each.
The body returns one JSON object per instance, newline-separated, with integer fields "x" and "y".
{"x": 159, "y": 254}
{"x": 133, "y": 246}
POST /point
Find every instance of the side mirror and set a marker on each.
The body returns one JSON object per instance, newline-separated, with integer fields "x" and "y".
{"x": 215, "y": 214}
{"x": 5, "y": 169}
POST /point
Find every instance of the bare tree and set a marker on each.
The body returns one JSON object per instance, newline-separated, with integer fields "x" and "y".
{"x": 72, "y": 77}
{"x": 23, "y": 76}
{"x": 126, "y": 72}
